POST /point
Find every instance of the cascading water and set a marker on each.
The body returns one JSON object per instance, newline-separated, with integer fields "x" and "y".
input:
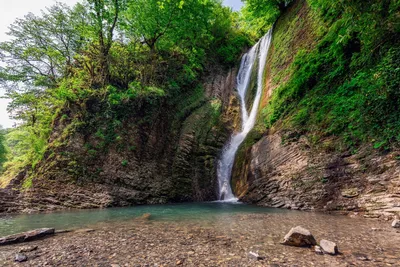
{"x": 258, "y": 52}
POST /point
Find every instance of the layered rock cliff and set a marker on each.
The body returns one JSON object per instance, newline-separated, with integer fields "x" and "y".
{"x": 288, "y": 168}
{"x": 155, "y": 154}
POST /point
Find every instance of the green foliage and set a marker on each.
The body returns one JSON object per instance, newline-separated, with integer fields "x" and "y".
{"x": 348, "y": 85}
{"x": 3, "y": 149}
{"x": 70, "y": 60}
{"x": 259, "y": 15}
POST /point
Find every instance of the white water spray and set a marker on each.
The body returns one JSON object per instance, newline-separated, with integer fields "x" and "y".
{"x": 258, "y": 53}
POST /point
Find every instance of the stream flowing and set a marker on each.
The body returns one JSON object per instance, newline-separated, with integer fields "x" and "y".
{"x": 256, "y": 56}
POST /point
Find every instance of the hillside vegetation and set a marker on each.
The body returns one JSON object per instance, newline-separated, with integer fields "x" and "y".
{"x": 347, "y": 86}
{"x": 129, "y": 58}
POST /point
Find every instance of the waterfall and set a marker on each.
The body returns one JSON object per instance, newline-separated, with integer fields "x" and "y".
{"x": 258, "y": 53}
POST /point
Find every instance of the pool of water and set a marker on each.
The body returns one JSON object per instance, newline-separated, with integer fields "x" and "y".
{"x": 10, "y": 224}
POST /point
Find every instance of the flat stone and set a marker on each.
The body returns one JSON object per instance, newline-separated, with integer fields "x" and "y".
{"x": 26, "y": 236}
{"x": 299, "y": 237}
{"x": 28, "y": 249}
{"x": 20, "y": 257}
{"x": 329, "y": 247}
{"x": 396, "y": 223}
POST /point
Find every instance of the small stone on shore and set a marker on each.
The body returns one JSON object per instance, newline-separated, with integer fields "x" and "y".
{"x": 318, "y": 250}
{"x": 396, "y": 223}
{"x": 20, "y": 257}
{"x": 255, "y": 256}
{"x": 329, "y": 247}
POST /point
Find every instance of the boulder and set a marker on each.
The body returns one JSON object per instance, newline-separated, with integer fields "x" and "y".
{"x": 396, "y": 223}
{"x": 26, "y": 236}
{"x": 299, "y": 237}
{"x": 328, "y": 247}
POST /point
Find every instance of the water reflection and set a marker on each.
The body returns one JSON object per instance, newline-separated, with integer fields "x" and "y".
{"x": 82, "y": 218}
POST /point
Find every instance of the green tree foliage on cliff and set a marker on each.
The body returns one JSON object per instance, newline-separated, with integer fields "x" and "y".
{"x": 118, "y": 51}
{"x": 348, "y": 86}
{"x": 259, "y": 15}
{"x": 3, "y": 150}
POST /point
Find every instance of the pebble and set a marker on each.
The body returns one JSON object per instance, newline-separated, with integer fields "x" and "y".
{"x": 21, "y": 257}
{"x": 396, "y": 223}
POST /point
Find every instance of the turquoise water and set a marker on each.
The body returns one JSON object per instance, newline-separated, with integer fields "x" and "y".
{"x": 11, "y": 224}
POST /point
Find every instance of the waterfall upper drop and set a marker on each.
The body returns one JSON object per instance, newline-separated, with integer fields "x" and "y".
{"x": 258, "y": 53}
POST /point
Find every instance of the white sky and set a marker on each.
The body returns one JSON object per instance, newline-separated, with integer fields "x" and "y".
{"x": 12, "y": 9}
{"x": 9, "y": 11}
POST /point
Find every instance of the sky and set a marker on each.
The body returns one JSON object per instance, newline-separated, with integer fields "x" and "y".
{"x": 12, "y": 9}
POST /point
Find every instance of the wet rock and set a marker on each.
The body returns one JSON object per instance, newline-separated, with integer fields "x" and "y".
{"x": 318, "y": 250}
{"x": 28, "y": 249}
{"x": 328, "y": 247}
{"x": 299, "y": 237}
{"x": 20, "y": 257}
{"x": 255, "y": 256}
{"x": 396, "y": 223}
{"x": 26, "y": 236}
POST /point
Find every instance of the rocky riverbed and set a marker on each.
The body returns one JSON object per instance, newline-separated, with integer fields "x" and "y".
{"x": 226, "y": 240}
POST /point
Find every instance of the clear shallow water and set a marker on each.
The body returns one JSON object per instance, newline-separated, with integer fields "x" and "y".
{"x": 209, "y": 211}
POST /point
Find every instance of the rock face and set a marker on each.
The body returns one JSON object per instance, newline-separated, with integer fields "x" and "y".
{"x": 26, "y": 236}
{"x": 168, "y": 157}
{"x": 292, "y": 175}
{"x": 286, "y": 168}
{"x": 299, "y": 237}
{"x": 396, "y": 223}
{"x": 329, "y": 247}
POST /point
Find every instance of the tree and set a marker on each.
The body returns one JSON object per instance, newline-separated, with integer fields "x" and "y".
{"x": 105, "y": 14}
{"x": 41, "y": 48}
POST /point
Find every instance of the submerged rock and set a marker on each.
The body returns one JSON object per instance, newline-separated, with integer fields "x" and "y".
{"x": 329, "y": 247}
{"x": 396, "y": 223}
{"x": 26, "y": 236}
{"x": 145, "y": 216}
{"x": 299, "y": 237}
{"x": 21, "y": 257}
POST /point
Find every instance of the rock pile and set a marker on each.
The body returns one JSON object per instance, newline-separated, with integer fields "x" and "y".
{"x": 301, "y": 237}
